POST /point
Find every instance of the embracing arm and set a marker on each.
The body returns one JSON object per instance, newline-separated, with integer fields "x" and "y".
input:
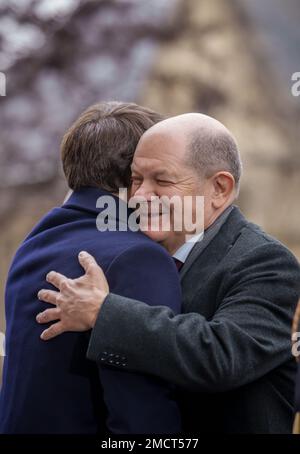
{"x": 248, "y": 335}
{"x": 136, "y": 402}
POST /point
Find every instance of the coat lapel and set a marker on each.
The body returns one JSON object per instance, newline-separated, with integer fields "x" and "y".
{"x": 202, "y": 261}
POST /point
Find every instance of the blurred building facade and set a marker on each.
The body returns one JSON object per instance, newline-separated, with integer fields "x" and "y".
{"x": 175, "y": 56}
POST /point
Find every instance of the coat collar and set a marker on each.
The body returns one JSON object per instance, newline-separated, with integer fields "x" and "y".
{"x": 92, "y": 200}
{"x": 207, "y": 259}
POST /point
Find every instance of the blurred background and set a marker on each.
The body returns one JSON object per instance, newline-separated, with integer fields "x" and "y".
{"x": 230, "y": 59}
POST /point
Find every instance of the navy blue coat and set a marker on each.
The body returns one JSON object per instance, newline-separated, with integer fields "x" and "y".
{"x": 50, "y": 387}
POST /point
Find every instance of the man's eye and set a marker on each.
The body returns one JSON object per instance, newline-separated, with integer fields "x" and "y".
{"x": 164, "y": 182}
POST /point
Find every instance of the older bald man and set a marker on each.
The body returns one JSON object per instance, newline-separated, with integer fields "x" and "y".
{"x": 229, "y": 352}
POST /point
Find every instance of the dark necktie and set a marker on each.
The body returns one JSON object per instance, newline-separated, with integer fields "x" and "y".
{"x": 178, "y": 263}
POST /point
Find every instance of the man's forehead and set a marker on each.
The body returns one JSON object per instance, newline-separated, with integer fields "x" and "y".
{"x": 161, "y": 137}
{"x": 152, "y": 165}
{"x": 145, "y": 162}
{"x": 164, "y": 148}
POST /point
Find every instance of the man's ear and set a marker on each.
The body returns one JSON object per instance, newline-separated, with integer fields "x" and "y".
{"x": 223, "y": 188}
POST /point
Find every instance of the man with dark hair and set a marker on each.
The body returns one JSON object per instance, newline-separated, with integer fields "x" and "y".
{"x": 98, "y": 148}
{"x": 229, "y": 352}
{"x": 52, "y": 387}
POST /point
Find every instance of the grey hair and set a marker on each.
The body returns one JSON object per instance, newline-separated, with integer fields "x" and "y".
{"x": 212, "y": 151}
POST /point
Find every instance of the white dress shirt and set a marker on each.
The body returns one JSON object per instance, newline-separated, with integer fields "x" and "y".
{"x": 182, "y": 253}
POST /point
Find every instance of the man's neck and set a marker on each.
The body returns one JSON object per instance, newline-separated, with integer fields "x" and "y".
{"x": 210, "y": 221}
{"x": 173, "y": 244}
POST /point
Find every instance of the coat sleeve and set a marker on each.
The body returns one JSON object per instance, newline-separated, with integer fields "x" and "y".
{"x": 248, "y": 336}
{"x": 139, "y": 402}
{"x": 297, "y": 392}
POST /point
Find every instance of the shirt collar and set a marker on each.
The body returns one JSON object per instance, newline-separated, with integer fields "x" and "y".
{"x": 182, "y": 253}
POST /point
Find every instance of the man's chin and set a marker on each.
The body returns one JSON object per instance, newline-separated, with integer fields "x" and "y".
{"x": 158, "y": 237}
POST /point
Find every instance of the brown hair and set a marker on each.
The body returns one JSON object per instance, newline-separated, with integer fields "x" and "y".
{"x": 97, "y": 150}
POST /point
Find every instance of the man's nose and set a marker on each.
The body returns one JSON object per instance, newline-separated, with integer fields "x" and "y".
{"x": 145, "y": 190}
